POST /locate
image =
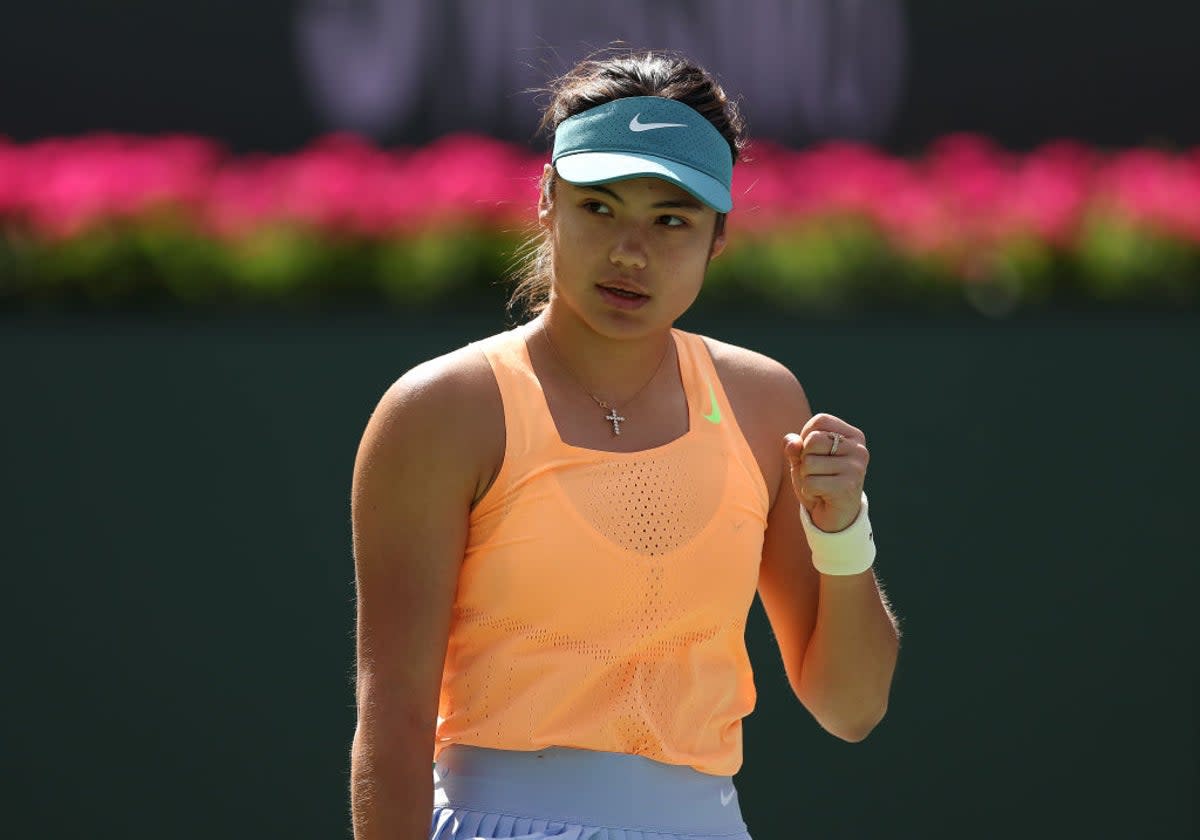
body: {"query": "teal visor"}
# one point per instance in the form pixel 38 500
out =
pixel 646 136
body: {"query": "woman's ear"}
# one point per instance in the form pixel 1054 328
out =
pixel 545 198
pixel 718 246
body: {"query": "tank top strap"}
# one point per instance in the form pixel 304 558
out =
pixel 529 428
pixel 710 406
pixel 712 414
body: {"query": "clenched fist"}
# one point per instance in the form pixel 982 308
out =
pixel 828 460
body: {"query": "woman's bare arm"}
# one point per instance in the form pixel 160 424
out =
pixel 420 465
pixel 837 635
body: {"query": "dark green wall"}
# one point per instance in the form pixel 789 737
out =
pixel 179 580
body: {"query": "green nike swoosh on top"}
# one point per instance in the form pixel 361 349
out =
pixel 713 416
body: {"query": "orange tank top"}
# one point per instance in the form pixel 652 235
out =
pixel 603 596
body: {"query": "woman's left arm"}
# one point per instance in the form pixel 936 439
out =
pixel 835 630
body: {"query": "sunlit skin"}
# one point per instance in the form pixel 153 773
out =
pixel 645 233
pixel 628 258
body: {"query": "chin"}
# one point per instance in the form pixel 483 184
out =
pixel 617 323
pixel 584 304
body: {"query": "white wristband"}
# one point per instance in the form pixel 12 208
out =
pixel 846 552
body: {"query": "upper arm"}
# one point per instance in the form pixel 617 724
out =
pixel 788 584
pixel 769 403
pixel 425 452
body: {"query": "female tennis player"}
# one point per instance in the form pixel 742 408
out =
pixel 559 530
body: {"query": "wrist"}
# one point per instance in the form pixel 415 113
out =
pixel 850 551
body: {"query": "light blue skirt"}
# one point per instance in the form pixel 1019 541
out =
pixel 570 794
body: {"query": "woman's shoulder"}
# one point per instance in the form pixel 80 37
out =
pixel 761 387
pixel 448 407
pixel 766 399
pixel 751 371
pixel 460 377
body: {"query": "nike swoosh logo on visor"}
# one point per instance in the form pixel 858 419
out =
pixel 634 125
pixel 714 415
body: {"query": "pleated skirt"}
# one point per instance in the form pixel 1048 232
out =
pixel 571 794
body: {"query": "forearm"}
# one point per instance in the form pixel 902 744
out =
pixel 391 787
pixel 850 657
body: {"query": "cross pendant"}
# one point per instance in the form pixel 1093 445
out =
pixel 615 419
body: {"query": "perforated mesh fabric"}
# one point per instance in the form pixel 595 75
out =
pixel 650 505
pixel 603 596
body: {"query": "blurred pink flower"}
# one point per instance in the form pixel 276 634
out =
pixel 1050 191
pixel 64 185
pixel 1148 186
pixel 962 200
pixel 242 197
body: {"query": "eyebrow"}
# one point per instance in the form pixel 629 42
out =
pixel 675 203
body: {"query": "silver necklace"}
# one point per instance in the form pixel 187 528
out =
pixel 612 417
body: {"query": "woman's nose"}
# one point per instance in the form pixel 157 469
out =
pixel 629 251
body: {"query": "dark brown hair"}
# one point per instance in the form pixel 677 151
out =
pixel 602 78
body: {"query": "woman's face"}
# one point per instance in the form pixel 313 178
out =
pixel 629 256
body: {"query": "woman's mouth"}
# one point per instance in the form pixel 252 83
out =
pixel 622 298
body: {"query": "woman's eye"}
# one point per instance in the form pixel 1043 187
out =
pixel 673 221
pixel 596 207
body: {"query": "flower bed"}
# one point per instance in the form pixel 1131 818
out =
pixel 118 221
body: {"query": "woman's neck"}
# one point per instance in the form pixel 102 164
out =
pixel 610 368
